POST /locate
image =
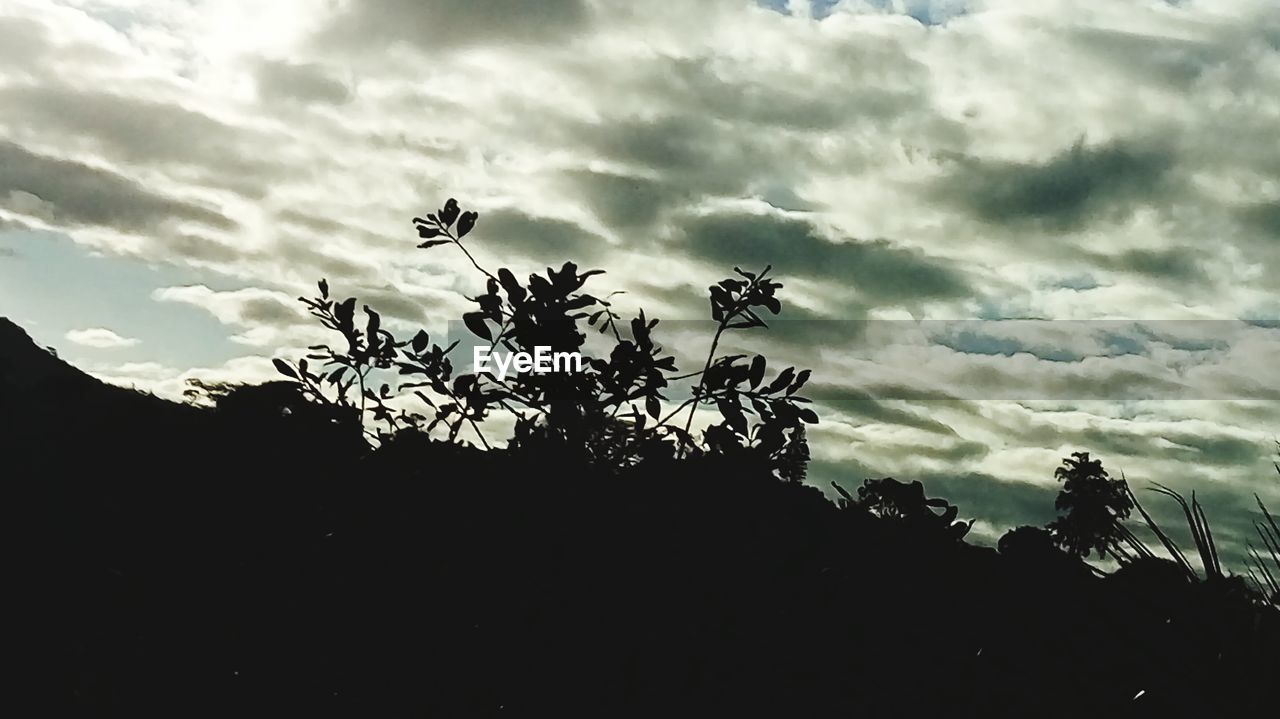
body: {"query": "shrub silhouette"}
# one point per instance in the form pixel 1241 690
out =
pixel 905 505
pixel 1027 543
pixel 612 413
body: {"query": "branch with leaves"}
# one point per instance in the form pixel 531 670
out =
pixel 613 410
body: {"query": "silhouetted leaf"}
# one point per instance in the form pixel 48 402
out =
pixel 756 373
pixel 782 380
pixel 652 406
pixel 283 368
pixel 420 341
pixel 449 213
pixel 801 378
pixel 515 292
pixel 345 311
pixel 432 243
pixel 475 322
pixel 732 413
pixel 466 223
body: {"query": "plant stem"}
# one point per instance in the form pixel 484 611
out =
pixel 475 264
pixel 697 392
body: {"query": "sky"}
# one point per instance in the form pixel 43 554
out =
pixel 175 173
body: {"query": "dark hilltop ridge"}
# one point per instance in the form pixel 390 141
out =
pixel 257 553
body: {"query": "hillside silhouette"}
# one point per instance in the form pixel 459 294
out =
pixel 261 553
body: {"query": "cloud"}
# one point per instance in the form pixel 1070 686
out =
pixel 305 82
pixel 1079 185
pixel 448 24
pixel 510 232
pixel 100 338
pixel 23 41
pixel 1263 216
pixel 136 130
pixel 623 201
pixel 885 273
pixel 65 191
pixel 264 317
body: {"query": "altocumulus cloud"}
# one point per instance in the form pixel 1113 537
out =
pixel 1053 159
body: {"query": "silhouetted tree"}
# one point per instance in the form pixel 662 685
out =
pixel 1091 505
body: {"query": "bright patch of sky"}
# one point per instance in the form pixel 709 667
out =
pixel 51 286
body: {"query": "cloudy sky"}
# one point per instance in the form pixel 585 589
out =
pixel 173 173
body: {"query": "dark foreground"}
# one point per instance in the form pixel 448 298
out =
pixel 243 563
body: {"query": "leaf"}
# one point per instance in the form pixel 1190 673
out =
pixel 807 415
pixel 466 223
pixel 345 311
pixel 652 407
pixel 420 341
pixel 756 373
pixel 450 212
pixel 515 292
pixel 732 413
pixel 427 233
pixel 432 243
pixel 772 303
pixel 283 368
pixel 800 380
pixel 475 322
pixel 782 380
pixel 324 288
